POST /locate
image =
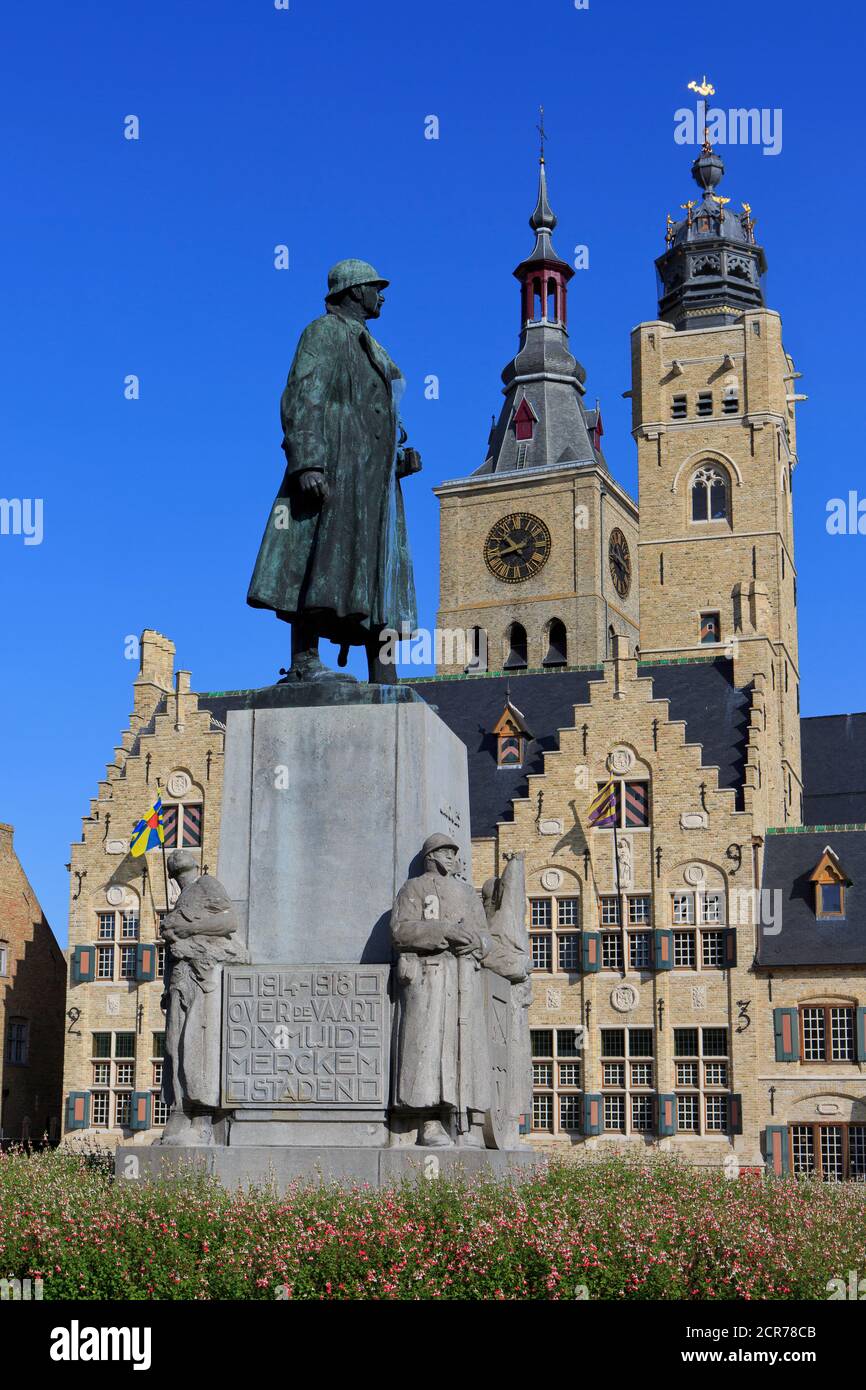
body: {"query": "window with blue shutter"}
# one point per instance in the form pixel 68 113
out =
pixel 590 952
pixel 146 961
pixel 861 1035
pixel 786 1031
pixel 666 1116
pixel 78 1110
pixel 83 964
pixel 663 949
pixel 777 1150
pixel 139 1110
pixel 593 1114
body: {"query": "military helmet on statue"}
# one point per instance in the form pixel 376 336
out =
pixel 345 275
pixel 438 841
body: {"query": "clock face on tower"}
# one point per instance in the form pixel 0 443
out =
pixel 516 547
pixel 620 562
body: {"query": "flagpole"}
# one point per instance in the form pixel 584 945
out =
pixel 164 863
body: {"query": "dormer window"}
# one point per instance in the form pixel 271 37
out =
pixel 524 421
pixel 830 884
pixel 511 736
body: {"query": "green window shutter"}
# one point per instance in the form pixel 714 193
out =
pixel 139 1110
pixel 666 1116
pixel 730 947
pixel 83 965
pixel 145 961
pixel 593 1114
pixel 590 952
pixel 787 1034
pixel 78 1110
pixel 735 1114
pixel 777 1150
pixel 861 1035
pixel 663 949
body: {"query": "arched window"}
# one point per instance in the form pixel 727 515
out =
pixel 557 644
pixel 710 494
pixel 517 648
pixel 477 650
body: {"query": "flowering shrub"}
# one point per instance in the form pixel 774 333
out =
pixel 616 1228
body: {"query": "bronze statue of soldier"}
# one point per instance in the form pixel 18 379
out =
pixel 334 559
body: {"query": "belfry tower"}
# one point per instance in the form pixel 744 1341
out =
pixel 538 544
pixel 713 406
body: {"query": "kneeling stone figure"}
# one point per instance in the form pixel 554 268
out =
pixel 200 935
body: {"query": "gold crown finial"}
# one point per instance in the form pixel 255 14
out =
pixel 703 88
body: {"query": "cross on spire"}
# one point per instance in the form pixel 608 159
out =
pixel 542 133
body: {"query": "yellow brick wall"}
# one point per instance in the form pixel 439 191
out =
pixel 183 741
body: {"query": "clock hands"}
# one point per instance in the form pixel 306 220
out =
pixel 515 545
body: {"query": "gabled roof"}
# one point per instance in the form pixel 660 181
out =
pixel 834 769
pixel 805 939
pixel 700 693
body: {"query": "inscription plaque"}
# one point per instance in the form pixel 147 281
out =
pixel 296 1037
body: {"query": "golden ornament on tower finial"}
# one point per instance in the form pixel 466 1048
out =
pixel 703 88
pixel 669 230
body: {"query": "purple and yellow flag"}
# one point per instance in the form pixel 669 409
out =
pixel 602 811
pixel 149 833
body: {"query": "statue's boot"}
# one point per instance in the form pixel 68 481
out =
pixel 433 1135
pixel 473 1137
pixel 309 668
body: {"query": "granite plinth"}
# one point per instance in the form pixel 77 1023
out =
pixel 237 1167
pixel 325 809
pixel 313 695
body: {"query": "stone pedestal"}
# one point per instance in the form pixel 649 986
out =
pixel 325 807
pixel 281 1166
pixel 328 794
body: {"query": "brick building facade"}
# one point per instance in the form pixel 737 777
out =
pixel 32 1000
pixel 700 968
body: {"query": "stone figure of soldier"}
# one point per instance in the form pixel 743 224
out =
pixel 334 560
pixel 504 900
pixel 200 936
pixel 442 1061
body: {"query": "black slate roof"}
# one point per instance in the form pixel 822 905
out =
pixel 789 859
pixel 701 693
pixel 834 769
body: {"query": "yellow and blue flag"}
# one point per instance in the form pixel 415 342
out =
pixel 148 833
pixel 602 811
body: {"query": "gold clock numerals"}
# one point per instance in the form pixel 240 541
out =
pixel 516 547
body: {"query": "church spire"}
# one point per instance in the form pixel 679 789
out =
pixel 712 268
pixel 543 421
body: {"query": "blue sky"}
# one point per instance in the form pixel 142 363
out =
pixel 305 127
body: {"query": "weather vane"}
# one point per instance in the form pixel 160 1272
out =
pixel 542 132
pixel 703 88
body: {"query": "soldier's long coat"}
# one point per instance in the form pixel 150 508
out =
pixel 348 558
pixel 442 1055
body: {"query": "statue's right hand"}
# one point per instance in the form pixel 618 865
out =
pixel 312 485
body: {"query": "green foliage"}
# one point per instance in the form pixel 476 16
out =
pixel 612 1229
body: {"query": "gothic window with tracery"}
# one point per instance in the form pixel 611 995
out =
pixel 710 495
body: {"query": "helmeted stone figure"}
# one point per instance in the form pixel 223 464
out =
pixel 334 559
pixel 200 935
pixel 442 1061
